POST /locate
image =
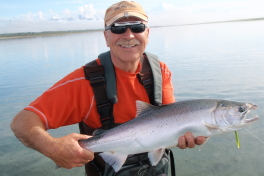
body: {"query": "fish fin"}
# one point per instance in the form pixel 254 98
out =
pixel 142 106
pixel 209 126
pixel 116 160
pixel 200 148
pixel 98 132
pixel 155 156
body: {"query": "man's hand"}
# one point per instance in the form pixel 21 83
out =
pixel 66 151
pixel 188 141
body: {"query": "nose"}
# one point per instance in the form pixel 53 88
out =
pixel 128 34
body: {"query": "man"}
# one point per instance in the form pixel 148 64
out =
pixel 71 100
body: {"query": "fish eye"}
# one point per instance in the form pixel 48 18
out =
pixel 242 109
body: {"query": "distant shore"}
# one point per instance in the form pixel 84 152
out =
pixel 51 33
pixel 230 21
pixel 42 34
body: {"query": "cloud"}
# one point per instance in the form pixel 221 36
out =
pixel 85 12
pixel 88 12
pixel 73 2
pixel 85 17
pixel 47 25
pixel 165 14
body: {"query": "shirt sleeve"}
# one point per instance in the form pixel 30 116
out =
pixel 167 87
pixel 65 103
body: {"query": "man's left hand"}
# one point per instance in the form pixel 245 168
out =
pixel 188 141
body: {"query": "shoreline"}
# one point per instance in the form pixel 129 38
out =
pixel 230 21
pixel 53 33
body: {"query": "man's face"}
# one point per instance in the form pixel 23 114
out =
pixel 129 46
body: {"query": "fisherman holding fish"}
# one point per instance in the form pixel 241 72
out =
pixel 80 96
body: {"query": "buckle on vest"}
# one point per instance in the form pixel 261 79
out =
pixel 103 104
pixel 147 83
pixel 98 81
pixel 104 109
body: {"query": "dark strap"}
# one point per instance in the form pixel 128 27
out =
pixel 151 78
pixel 106 61
pixel 157 78
pixel 172 163
pixel 146 79
pixel 95 73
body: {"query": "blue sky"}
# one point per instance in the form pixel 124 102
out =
pixel 50 15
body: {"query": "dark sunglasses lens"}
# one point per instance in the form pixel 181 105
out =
pixel 137 28
pixel 118 29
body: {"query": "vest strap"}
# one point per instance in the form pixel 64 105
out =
pixel 146 79
pixel 95 73
pixel 157 78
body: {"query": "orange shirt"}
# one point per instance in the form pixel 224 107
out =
pixel 71 100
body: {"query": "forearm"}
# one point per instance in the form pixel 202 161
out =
pixel 29 129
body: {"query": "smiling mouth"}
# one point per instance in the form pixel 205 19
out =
pixel 128 46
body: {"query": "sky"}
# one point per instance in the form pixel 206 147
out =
pixel 63 15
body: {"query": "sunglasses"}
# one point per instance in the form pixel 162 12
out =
pixel 121 27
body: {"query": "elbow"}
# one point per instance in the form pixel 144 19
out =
pixel 16 123
pixel 12 125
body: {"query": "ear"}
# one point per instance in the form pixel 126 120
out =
pixel 147 34
pixel 106 37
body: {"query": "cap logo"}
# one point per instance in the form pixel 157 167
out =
pixel 126 14
pixel 124 5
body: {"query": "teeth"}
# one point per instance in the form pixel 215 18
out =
pixel 127 46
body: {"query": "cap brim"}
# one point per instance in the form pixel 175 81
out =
pixel 121 15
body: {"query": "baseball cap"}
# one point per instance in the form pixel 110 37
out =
pixel 124 9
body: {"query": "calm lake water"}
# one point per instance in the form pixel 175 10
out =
pixel 224 60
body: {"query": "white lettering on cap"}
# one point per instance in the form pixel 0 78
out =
pixel 126 14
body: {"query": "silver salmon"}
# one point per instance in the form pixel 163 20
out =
pixel 156 128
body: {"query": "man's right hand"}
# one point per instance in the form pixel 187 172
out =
pixel 66 151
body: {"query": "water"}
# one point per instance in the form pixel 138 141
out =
pixel 222 60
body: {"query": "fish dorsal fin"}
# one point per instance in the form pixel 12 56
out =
pixel 98 132
pixel 155 156
pixel 116 160
pixel 209 126
pixel 142 106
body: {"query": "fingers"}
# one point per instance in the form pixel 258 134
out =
pixel 88 155
pixel 188 141
pixel 200 140
pixel 182 142
pixel 77 136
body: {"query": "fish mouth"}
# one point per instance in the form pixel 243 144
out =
pixel 248 121
pixel 255 118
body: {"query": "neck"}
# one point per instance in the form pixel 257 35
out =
pixel 127 66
